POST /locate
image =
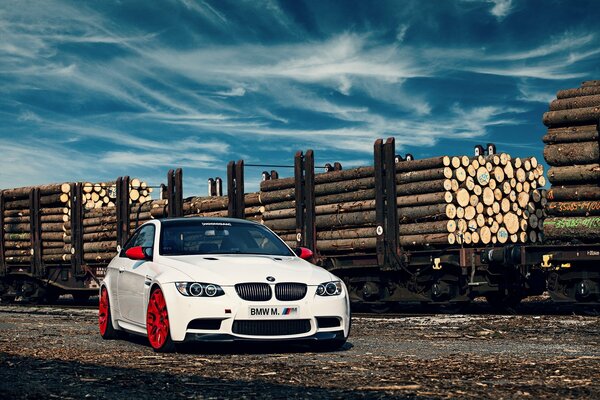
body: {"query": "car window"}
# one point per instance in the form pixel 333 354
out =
pixel 186 238
pixel 143 237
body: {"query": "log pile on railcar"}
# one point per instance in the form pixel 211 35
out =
pixel 572 151
pixel 441 201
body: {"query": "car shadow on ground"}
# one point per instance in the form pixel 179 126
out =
pixel 34 378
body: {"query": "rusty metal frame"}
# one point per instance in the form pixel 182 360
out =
pixel 37 267
pixel 299 196
pixel 77 261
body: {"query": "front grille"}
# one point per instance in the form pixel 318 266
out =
pixel 290 291
pixel 254 291
pixel 271 327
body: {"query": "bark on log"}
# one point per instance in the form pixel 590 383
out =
pixel 440 185
pixel 24 228
pixel 574 193
pixel 589 173
pixel 333 176
pixel 572 153
pixel 202 204
pixel 565 117
pixel 584 133
pixel 408 214
pixel 575 102
pixel 426 163
pixel 100 247
pixel 44 200
pixel 446 226
pixel 578 92
pixel 346 245
pixel 581 228
pixel 573 208
pixel 429 239
pixel 23 192
pixel 367 194
pixel 280 206
pixel 326 221
pixel 424 175
pixel 346 233
pixel 424 199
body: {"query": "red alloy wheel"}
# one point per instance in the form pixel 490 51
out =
pixel 103 312
pixel 157 320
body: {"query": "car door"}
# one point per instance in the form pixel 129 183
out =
pixel 132 277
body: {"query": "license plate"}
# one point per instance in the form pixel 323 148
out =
pixel 272 312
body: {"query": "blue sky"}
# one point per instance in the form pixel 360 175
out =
pixel 90 90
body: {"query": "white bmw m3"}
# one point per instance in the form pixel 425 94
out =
pixel 219 279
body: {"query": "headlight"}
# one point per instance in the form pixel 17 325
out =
pixel 199 289
pixel 329 289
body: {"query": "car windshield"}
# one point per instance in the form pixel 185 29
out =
pixel 212 237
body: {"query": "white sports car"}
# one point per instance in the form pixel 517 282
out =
pixel 219 279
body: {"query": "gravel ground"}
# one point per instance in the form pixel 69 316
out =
pixel 48 352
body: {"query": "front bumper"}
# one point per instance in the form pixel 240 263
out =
pixel 230 308
pixel 227 338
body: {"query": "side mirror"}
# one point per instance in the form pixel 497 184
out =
pixel 139 253
pixel 303 253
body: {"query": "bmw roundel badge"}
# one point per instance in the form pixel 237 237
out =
pixel 270 279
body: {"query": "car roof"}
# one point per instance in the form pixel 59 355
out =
pixel 192 220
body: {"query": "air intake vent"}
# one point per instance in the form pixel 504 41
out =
pixel 254 291
pixel 290 291
pixel 271 328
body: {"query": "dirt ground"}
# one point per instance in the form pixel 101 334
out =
pixel 56 352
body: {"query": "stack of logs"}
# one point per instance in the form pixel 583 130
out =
pixel 104 194
pixel 216 206
pixel 54 203
pixel 573 154
pixel 99 220
pixel 441 201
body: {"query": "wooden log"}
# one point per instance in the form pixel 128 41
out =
pixel 45 190
pixel 427 239
pixel 426 163
pixel 99 221
pixel 434 186
pixel 447 226
pixel 291 204
pixel 463 197
pixel 326 221
pixel 333 176
pixel 24 228
pixel 573 208
pixel 101 247
pixel 578 116
pixel 575 102
pixel 424 175
pixel 589 173
pixel 201 204
pixel 511 222
pixel 581 228
pixel 425 199
pixel 346 245
pixel 572 134
pixel 574 193
pixel 582 91
pixel 351 233
pixel 408 214
pixel 572 153
pixel 44 200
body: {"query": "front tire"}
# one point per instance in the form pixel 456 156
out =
pixel 157 323
pixel 107 330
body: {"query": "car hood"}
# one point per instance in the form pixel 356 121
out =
pixel 228 270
